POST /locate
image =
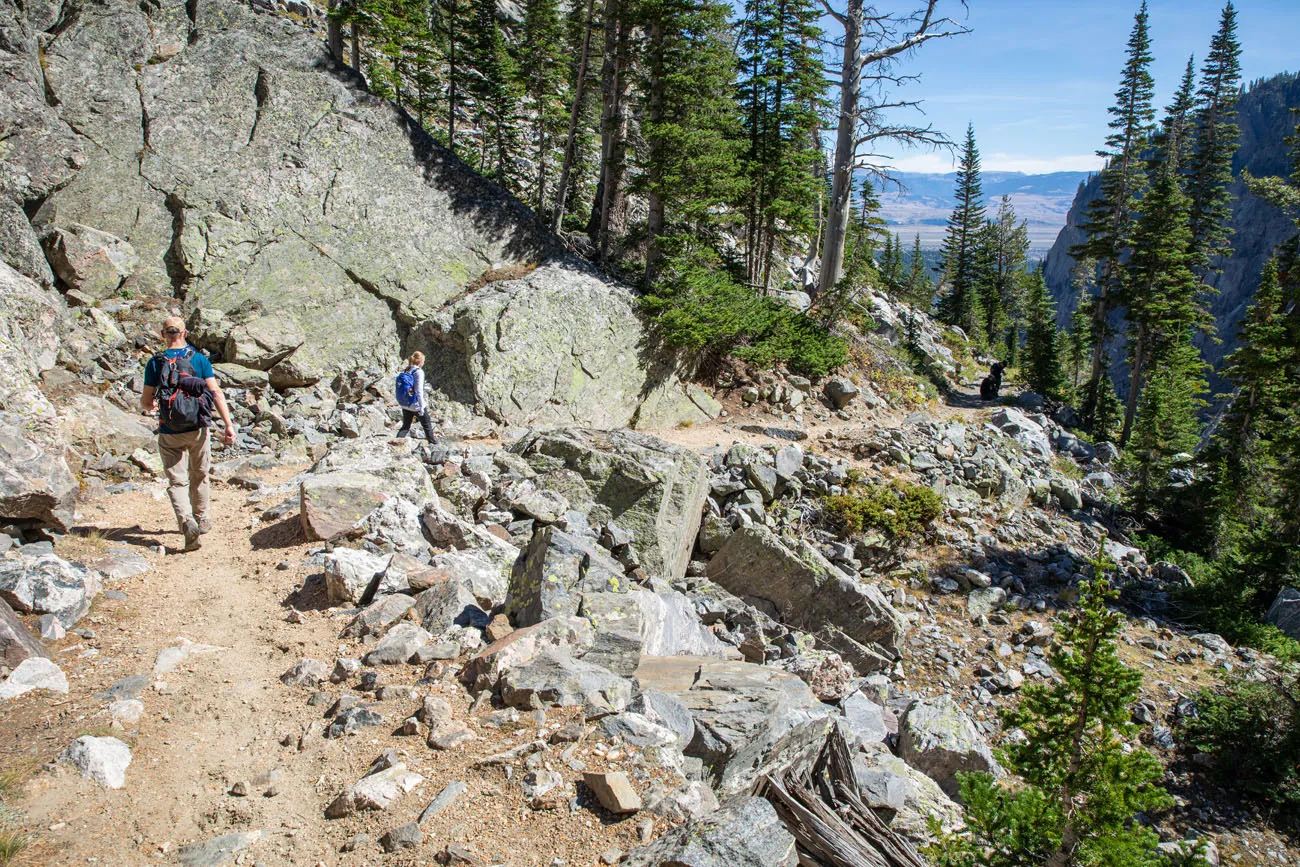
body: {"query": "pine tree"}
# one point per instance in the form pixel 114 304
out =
pixel 542 68
pixel 865 234
pixel 1084 783
pixel 1160 288
pixel 1167 426
pixel 1003 246
pixel 496 93
pixel 1042 340
pixel 960 305
pixel 1260 369
pixel 1109 411
pixel 691 161
pixel 920 288
pixel 1173 143
pixel 1078 343
pixel 780 92
pixel 1109 217
pixel 1216 142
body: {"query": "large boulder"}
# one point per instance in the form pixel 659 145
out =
pixel 571 635
pixel 555 677
pixel 89 261
pixel 94 426
pixel 335 505
pixel 887 783
pixel 49 585
pixel 556 569
pixel 1023 430
pixel 797 585
pixel 671 627
pixel 652 489
pixel 558 346
pixel 36 485
pixel 936 737
pixel 744 832
pixel 749 719
pixel 1284 613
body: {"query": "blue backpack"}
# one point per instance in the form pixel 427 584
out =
pixel 406 393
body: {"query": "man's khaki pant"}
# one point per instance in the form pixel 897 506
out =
pixel 187 485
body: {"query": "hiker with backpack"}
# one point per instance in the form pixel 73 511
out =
pixel 179 384
pixel 410 397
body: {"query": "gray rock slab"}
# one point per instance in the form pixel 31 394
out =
pixel 16 642
pixel 744 832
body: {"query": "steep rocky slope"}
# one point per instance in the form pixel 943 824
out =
pixel 1265 120
pixel 211 156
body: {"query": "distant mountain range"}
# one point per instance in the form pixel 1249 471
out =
pixel 923 205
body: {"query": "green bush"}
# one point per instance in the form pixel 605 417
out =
pixel 899 509
pixel 696 305
pixel 1251 732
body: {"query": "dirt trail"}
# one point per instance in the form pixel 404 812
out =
pixel 222 715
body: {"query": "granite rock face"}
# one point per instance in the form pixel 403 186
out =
pixel 745 832
pixel 210 153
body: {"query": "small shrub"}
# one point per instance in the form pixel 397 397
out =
pixel 698 306
pixel 898 509
pixel 1251 732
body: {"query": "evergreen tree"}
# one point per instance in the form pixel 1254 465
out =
pixel 1042 340
pixel 1084 783
pixel 1003 246
pixel 865 234
pixel 690 165
pixel 1172 145
pixel 1108 218
pixel 1216 142
pixel 1078 344
pixel 960 304
pixel 1262 369
pixel 542 67
pixel 496 93
pixel 781 89
pixel 1161 290
pixel 920 288
pixel 1109 411
pixel 1167 426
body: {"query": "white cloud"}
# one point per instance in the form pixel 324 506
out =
pixel 1040 165
pixel 940 163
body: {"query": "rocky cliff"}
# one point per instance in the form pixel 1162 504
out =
pixel 211 157
pixel 1265 120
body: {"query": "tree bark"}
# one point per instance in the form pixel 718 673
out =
pixel 571 140
pixel 334 34
pixel 837 222
pixel 614 129
pixel 1136 368
pixel 656 156
pixel 356 48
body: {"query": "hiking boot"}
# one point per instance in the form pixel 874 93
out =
pixel 192 532
pixel 205 525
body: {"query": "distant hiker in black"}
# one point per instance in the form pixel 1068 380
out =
pixel 992 383
pixel 180 385
pixel 410 396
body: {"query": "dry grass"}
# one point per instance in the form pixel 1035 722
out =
pixel 13 842
pixel 88 545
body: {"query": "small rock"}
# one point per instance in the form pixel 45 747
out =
pixel 613 791
pixel 103 760
pixel 406 836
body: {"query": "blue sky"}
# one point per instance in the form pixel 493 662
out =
pixel 1036 76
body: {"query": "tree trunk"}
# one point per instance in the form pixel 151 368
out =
pixel 837 223
pixel 334 34
pixel 452 76
pixel 1136 368
pixel 656 156
pixel 571 140
pixel 356 48
pixel 614 129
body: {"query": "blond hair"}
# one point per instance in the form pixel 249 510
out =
pixel 416 359
pixel 173 322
